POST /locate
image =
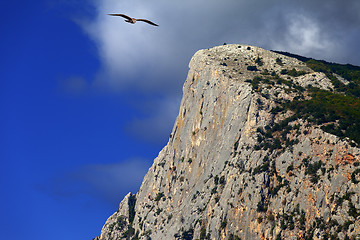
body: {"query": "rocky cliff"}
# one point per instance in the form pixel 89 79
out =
pixel 243 161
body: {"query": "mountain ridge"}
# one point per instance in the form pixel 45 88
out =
pixel 249 157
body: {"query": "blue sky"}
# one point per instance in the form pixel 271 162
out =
pixel 88 101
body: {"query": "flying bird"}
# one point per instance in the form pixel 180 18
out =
pixel 132 20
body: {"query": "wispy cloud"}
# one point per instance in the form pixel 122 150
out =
pixel 304 35
pixel 156 122
pixel 106 182
pixel 73 85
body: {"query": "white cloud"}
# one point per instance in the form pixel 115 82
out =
pixel 134 55
pixel 152 60
pixel 303 35
pixel 131 55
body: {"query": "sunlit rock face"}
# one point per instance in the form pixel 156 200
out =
pixel 239 165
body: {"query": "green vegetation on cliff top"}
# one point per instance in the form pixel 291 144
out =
pixel 336 111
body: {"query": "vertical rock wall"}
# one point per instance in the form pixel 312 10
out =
pixel 217 179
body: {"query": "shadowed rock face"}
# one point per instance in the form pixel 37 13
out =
pixel 228 173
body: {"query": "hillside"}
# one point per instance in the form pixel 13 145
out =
pixel 265 146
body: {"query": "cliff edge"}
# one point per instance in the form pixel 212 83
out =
pixel 248 158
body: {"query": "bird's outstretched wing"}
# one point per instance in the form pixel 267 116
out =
pixel 120 15
pixel 147 21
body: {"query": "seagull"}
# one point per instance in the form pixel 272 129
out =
pixel 132 20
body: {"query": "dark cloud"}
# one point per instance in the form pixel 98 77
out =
pixel 106 182
pixel 153 60
pixel 145 53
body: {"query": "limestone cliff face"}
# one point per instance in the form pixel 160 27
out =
pixel 226 173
